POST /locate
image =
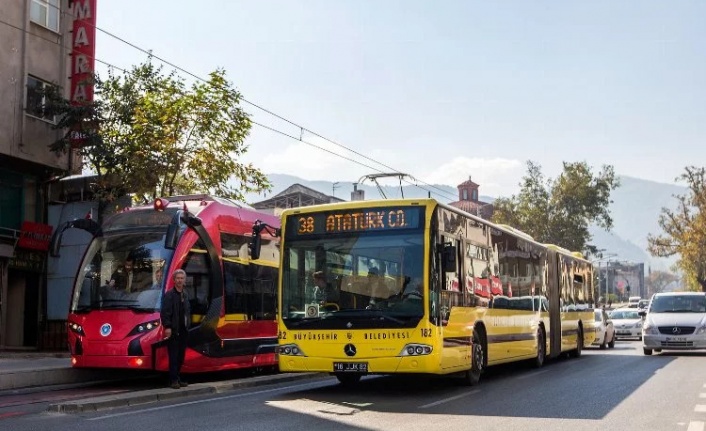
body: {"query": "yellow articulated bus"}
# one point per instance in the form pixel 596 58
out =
pixel 417 286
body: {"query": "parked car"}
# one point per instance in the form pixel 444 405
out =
pixel 605 333
pixel 643 304
pixel 627 323
pixel 675 321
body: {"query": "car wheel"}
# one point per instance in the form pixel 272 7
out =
pixel 612 342
pixel 647 352
pixel 604 341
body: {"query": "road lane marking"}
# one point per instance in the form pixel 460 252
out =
pixel 526 376
pixel 701 408
pixel 227 397
pixel 695 426
pixel 446 400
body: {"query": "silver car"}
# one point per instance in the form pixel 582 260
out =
pixel 675 321
pixel 627 323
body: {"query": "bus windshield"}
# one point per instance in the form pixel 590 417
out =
pixel 122 270
pixel 373 279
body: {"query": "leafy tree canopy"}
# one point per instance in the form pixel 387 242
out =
pixel 559 211
pixel 684 230
pixel 151 134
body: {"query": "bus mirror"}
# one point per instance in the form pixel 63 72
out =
pixel 56 243
pixel 255 245
pixel 170 240
pixel 449 258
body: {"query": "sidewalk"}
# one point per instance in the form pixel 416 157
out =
pixel 20 370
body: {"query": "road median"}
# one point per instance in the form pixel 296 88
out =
pixel 129 399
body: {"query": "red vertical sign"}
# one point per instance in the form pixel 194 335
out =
pixel 83 52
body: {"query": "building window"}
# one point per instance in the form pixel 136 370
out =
pixel 37 99
pixel 46 13
pixel 475 195
pixel 465 194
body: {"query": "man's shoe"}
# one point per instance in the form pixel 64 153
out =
pixel 183 384
pixel 175 385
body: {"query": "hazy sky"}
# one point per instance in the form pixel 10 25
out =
pixel 444 89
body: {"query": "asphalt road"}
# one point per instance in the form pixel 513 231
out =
pixel 614 389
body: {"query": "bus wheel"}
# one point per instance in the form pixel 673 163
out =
pixel 348 379
pixel 472 376
pixel 576 353
pixel 541 349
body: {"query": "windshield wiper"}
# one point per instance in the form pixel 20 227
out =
pixel 365 313
pixel 305 322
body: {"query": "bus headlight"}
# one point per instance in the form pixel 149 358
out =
pixel 415 350
pixel 144 327
pixel 290 350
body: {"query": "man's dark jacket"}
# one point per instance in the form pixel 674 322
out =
pixel 170 310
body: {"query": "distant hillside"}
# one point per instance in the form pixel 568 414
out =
pixel 636 207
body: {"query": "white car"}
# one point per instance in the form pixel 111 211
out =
pixel 675 321
pixel 605 334
pixel 627 323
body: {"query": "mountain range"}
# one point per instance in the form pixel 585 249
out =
pixel 636 206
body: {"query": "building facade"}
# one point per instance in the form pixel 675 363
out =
pixel 468 200
pixel 34 55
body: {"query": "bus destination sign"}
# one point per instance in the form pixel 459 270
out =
pixel 355 220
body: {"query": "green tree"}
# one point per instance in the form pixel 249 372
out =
pixel 684 230
pixel 149 134
pixel 559 211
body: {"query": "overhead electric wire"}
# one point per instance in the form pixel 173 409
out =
pixel 302 129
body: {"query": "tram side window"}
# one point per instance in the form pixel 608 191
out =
pixel 197 281
pixel 263 300
pixel 234 245
pixel 237 282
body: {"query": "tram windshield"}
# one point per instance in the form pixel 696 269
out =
pixel 122 270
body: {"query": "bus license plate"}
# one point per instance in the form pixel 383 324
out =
pixel 676 338
pixel 350 367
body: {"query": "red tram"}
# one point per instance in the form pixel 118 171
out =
pixel 114 319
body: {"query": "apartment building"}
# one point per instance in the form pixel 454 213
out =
pixel 44 44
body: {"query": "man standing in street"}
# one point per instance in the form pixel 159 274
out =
pixel 176 318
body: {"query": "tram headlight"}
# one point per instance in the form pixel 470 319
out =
pixel 144 327
pixel 76 328
pixel 416 350
pixel 290 350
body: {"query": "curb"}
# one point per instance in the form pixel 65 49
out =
pixel 163 394
pixel 23 379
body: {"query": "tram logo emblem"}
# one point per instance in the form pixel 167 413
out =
pixel 349 335
pixel 349 350
pixel 106 329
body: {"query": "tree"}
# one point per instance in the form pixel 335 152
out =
pixel 149 134
pixel 685 230
pixel 657 280
pixel 559 211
